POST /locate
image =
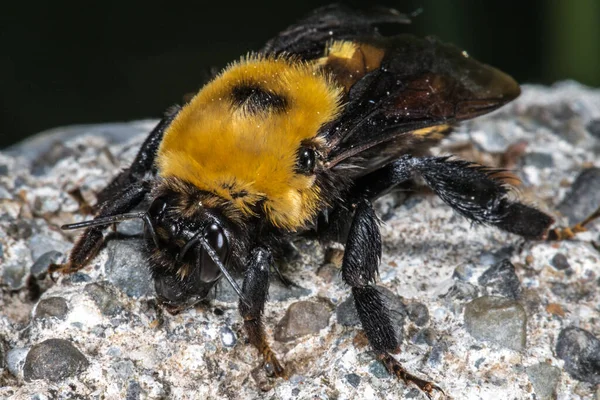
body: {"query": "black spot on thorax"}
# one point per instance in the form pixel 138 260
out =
pixel 255 99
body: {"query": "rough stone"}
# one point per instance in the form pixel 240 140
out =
pixel 40 266
pixel 104 297
pixel 583 197
pixel 544 378
pixel 53 360
pixel 15 360
pixel 580 351
pixel 501 279
pixel 424 242
pixel 41 244
pixel 127 268
pixel 52 307
pixel 497 320
pixel 228 337
pixel 302 318
pixel 418 313
pixel 353 380
pixel 560 262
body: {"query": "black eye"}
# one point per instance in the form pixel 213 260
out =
pixel 306 161
pixel 217 240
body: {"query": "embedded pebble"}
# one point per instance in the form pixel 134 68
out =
pixel 425 336
pixel 127 267
pixel 501 279
pixel 545 379
pixel 40 266
pixel 377 369
pixel 584 196
pixel 53 360
pixel 353 379
pixel 593 128
pixel 134 391
pixel 302 318
pixel 41 244
pixel 418 313
pixel 227 337
pixel 497 320
pixel 580 351
pixel 540 160
pixel 560 262
pixel 104 296
pixel 52 307
pixel 15 360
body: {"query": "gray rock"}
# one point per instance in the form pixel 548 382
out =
pixel 583 197
pixel 53 360
pixel 15 360
pixel 593 128
pixel 52 307
pixel 502 279
pixel 377 369
pixel 3 351
pixel 560 262
pixel 497 320
pixel 127 267
pixel 302 318
pixel 40 266
pixel 353 380
pixel 540 160
pixel 544 378
pixel 104 296
pixel 134 390
pixel 40 244
pixel 227 337
pixel 425 336
pixel 580 351
pixel 418 313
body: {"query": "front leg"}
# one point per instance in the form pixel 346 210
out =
pixel 359 270
pixel 89 243
pixel 255 290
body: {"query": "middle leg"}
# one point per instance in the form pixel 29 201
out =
pixel 359 270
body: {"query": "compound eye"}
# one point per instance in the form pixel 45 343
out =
pixel 218 241
pixel 306 161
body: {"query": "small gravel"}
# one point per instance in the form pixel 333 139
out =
pixel 501 279
pixel 545 379
pixel 52 307
pixel 580 351
pixel 53 360
pixel 497 320
pixel 583 197
pixel 302 318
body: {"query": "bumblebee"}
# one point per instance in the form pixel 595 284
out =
pixel 300 138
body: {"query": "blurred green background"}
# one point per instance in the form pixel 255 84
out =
pixel 68 62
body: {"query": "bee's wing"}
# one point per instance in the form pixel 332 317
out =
pixel 420 86
pixel 308 38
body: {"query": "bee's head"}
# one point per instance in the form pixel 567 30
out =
pixel 191 249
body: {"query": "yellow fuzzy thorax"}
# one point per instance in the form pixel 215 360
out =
pixel 248 157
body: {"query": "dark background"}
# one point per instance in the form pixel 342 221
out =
pixel 67 62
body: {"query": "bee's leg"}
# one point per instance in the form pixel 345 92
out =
pixel 255 290
pixel 89 243
pixel 359 270
pixel 570 231
pixel 143 164
pixel 475 192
